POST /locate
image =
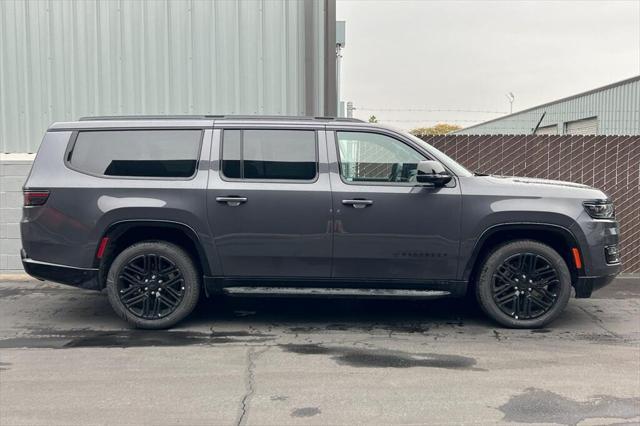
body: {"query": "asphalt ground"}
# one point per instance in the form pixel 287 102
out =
pixel 65 359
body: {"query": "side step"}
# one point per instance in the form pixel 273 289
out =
pixel 334 292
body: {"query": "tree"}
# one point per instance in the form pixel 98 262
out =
pixel 373 119
pixel 438 129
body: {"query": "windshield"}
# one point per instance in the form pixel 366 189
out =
pixel 448 162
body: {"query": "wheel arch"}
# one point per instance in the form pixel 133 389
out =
pixel 558 237
pixel 124 233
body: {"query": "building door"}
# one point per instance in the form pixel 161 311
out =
pixel 588 126
pixel 547 130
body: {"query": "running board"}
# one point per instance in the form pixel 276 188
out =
pixel 334 292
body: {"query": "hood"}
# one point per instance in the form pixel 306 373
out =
pixel 536 181
pixel 543 187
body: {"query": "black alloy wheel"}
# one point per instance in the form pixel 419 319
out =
pixel 153 284
pixel 150 286
pixel 525 286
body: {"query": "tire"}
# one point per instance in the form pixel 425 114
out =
pixel 523 274
pixel 164 266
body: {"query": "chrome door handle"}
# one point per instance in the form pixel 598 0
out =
pixel 232 201
pixel 357 204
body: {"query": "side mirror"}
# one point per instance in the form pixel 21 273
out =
pixel 432 172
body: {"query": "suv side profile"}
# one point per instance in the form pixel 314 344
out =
pixel 162 210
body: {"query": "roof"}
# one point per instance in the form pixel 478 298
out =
pixel 568 98
pixel 190 121
pixel 215 117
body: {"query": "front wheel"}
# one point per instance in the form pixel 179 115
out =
pixel 524 284
pixel 153 284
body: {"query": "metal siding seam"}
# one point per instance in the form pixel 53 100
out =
pixel 238 64
pixel 161 50
pixel 4 140
pixel 285 108
pixel 210 50
pixel 7 86
pixel 12 87
pixel 190 81
pixel 24 78
pixel 309 71
pixel 119 62
pixel 260 78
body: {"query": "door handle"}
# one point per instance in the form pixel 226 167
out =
pixel 232 201
pixel 357 204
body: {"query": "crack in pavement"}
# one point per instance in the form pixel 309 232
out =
pixel 252 355
pixel 600 324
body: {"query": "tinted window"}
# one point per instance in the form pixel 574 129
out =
pixel 231 154
pixel 269 154
pixel 144 153
pixel 370 157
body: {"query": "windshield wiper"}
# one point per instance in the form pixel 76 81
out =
pixel 480 174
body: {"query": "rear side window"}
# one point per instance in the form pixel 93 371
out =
pixel 269 154
pixel 137 153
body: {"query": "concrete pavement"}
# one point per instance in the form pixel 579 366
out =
pixel 66 359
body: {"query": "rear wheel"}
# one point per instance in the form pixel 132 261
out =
pixel 153 284
pixel 524 284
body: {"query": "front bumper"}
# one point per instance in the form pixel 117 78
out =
pixel 586 285
pixel 86 278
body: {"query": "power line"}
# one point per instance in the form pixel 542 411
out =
pixel 422 120
pixel 429 110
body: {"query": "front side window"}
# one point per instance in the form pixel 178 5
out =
pixel 269 154
pixel 371 157
pixel 137 153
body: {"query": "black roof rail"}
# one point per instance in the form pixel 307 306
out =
pixel 213 117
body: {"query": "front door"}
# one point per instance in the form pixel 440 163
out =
pixel 269 203
pixel 386 226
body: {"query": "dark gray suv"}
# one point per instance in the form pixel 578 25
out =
pixel 159 210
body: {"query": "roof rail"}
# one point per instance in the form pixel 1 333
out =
pixel 214 117
pixel 144 117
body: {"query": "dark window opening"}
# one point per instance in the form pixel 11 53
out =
pixel 137 153
pixel 269 154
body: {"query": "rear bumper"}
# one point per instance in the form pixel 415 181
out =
pixel 69 275
pixel 586 285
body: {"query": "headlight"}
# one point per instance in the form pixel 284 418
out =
pixel 599 209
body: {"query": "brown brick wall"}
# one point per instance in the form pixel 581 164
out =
pixel 610 163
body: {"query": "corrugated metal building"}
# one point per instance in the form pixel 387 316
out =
pixel 608 110
pixel 61 60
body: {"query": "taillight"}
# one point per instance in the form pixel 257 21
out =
pixel 35 197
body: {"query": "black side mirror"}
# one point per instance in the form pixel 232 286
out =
pixel 432 172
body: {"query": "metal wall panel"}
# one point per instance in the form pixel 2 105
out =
pixel 617 108
pixel 61 60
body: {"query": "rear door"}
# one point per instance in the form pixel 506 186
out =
pixel 386 226
pixel 269 201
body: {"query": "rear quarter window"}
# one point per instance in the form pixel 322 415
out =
pixel 136 153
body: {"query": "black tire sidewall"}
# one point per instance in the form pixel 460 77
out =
pixel 184 263
pixel 484 292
